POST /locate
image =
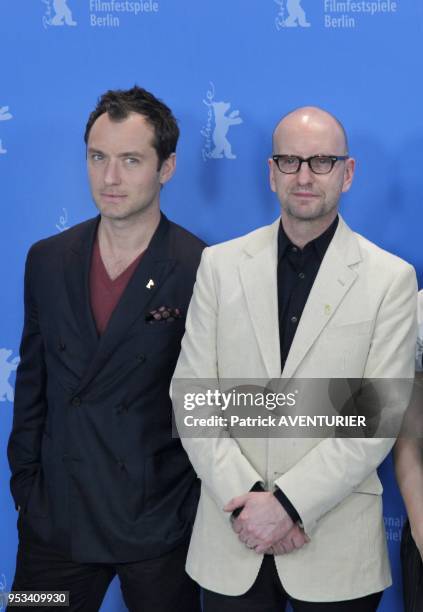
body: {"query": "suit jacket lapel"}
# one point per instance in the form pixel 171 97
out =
pixel 259 280
pixel 333 281
pixel 155 265
pixel 77 261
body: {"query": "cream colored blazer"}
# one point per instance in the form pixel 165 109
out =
pixel 359 321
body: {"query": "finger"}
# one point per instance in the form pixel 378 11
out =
pixel 237 526
pixel 249 543
pixel 288 545
pixel 261 548
pixel 236 502
pixel 298 540
pixel 244 537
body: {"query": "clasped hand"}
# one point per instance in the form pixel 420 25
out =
pixel 264 525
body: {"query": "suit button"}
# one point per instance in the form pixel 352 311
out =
pixel 61 346
pixel 76 401
pixel 140 358
pixel 121 465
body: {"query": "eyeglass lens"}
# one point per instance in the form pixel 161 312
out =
pixel 319 164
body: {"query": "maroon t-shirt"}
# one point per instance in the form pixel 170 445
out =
pixel 105 293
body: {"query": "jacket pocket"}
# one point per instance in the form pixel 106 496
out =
pixel 350 330
pixel 167 474
pixel 37 501
pixel 371 485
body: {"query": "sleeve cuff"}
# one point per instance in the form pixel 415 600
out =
pixel 288 507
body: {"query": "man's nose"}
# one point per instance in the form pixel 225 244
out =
pixel 304 174
pixel 112 173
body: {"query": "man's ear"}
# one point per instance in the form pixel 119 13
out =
pixel 348 173
pixel 168 168
pixel 271 164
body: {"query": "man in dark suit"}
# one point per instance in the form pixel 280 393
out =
pixel 100 485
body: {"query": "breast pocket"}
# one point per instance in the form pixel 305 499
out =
pixel 349 330
pixel 161 328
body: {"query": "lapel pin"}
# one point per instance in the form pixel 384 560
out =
pixel 327 309
pixel 150 284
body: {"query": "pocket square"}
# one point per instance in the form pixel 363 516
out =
pixel 164 314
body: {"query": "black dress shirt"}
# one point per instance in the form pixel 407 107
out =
pixel 297 271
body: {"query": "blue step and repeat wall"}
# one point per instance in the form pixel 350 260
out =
pixel 229 69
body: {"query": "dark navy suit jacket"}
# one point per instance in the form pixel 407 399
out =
pixel 95 470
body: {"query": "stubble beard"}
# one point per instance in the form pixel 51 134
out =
pixel 135 211
pixel 299 213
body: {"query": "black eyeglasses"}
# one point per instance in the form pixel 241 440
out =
pixel 319 164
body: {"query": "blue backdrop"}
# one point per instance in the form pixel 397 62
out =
pixel 229 70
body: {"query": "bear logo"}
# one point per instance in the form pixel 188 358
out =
pixel 296 15
pixel 62 14
pixel 7 366
pixel 222 146
pixel 4 116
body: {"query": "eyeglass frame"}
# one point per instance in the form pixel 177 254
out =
pixel 333 158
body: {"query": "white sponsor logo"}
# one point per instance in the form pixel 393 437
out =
pixel 108 13
pixel 291 15
pixel 57 13
pixel 4 116
pixel 7 366
pixel 217 145
pixel 62 225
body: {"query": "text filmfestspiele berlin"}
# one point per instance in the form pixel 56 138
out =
pixel 344 13
pixel 106 14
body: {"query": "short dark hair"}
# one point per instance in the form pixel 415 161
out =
pixel 119 103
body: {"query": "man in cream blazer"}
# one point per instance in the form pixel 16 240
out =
pixel 313 505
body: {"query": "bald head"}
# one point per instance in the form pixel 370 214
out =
pixel 310 198
pixel 311 122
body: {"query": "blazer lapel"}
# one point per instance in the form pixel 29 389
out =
pixel 333 281
pixel 259 281
pixel 77 262
pixel 147 280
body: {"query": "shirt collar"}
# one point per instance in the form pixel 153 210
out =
pixel 319 245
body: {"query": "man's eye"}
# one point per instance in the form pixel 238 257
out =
pixel 96 157
pixel 290 160
pixel 131 161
